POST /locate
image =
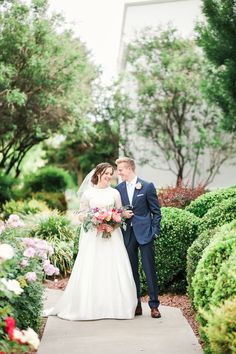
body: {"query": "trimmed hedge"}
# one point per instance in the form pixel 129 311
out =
pixel 179 229
pixel 195 251
pixel 205 278
pixel 194 255
pixel 225 286
pixel 205 202
pixel 221 214
pixel 221 329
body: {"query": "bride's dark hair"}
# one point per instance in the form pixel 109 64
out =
pixel 100 169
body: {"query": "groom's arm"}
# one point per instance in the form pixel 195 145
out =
pixel 154 208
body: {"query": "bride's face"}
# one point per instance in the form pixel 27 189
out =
pixel 106 177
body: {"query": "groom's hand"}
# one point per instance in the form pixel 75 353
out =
pixel 128 214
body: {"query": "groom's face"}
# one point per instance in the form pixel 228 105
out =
pixel 124 171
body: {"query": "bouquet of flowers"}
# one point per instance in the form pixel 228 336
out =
pixel 101 218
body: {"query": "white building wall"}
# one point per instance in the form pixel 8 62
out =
pixel 182 14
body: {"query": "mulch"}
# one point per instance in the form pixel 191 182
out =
pixel 180 301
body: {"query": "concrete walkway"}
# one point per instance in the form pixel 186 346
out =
pixel 169 335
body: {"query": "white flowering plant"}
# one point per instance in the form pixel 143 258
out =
pixel 12 340
pixel 27 270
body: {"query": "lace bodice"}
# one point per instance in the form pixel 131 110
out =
pixel 101 198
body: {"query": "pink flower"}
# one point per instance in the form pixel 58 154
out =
pixel 42 244
pixel 138 185
pixel 49 269
pixel 116 217
pixel 14 221
pixel 29 252
pixel 29 242
pixel 24 262
pixel 31 277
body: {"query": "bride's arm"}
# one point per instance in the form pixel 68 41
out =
pixel 118 203
pixel 83 208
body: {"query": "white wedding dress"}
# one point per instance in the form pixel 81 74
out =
pixel 101 284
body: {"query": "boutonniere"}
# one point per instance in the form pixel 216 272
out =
pixel 138 185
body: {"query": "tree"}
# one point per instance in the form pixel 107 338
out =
pixel 45 79
pixel 167 72
pixel 217 38
pixel 97 137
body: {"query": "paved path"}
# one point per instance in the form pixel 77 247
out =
pixel 169 335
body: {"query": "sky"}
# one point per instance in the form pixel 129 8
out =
pixel 98 24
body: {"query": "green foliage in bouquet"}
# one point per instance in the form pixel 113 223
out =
pixel 179 229
pixel 205 202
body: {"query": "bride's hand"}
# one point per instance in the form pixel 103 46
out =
pixel 109 228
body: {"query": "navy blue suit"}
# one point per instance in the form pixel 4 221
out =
pixel 145 228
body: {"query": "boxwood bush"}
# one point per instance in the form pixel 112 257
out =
pixel 221 214
pixel 205 202
pixel 225 286
pixel 208 269
pixel 179 229
pixel 221 329
pixel 195 251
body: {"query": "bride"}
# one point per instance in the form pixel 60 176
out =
pixel 101 284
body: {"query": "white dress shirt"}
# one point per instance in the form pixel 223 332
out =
pixel 130 188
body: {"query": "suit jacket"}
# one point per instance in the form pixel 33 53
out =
pixel 146 209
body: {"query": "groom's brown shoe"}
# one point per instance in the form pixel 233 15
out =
pixel 155 313
pixel 138 311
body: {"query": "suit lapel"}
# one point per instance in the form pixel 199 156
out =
pixel 136 191
pixel 125 194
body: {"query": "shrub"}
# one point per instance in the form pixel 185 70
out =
pixel 179 196
pixel 48 179
pixel 6 184
pixel 195 251
pixel 32 206
pixel 221 329
pixel 205 278
pixel 201 205
pixel 178 230
pixel 225 286
pixel 53 200
pixel 29 306
pixel 56 229
pixel 221 214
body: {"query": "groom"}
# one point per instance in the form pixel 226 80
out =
pixel 143 226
